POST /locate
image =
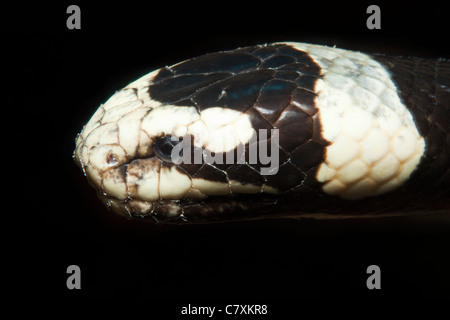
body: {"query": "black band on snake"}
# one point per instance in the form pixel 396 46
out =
pixel 275 130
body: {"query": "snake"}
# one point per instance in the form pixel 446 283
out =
pixel 277 130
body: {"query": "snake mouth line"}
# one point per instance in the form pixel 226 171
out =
pixel 253 207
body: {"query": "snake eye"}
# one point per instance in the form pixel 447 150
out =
pixel 164 147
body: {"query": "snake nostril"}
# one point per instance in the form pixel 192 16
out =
pixel 164 146
pixel 111 159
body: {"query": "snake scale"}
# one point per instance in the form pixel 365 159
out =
pixel 274 130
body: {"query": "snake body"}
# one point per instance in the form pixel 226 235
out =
pixel 348 133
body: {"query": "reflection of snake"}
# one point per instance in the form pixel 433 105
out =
pixel 358 135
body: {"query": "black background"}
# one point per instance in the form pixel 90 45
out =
pixel 55 80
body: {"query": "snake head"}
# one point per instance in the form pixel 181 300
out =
pixel 332 119
pixel 149 158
